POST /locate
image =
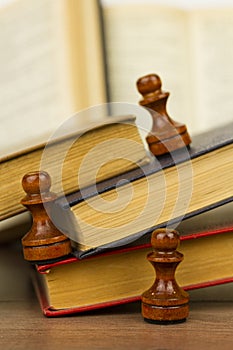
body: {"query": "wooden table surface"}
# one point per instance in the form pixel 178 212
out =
pixel 22 326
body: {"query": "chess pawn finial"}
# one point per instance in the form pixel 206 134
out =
pixel 44 241
pixel 166 134
pixel 165 302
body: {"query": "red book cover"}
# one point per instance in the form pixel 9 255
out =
pixel 208 244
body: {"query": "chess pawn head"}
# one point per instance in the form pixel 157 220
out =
pixel 44 242
pixel 166 134
pixel 165 302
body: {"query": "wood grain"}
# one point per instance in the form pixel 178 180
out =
pixel 22 326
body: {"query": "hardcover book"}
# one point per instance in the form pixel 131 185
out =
pixel 163 193
pixel 65 157
pixel 120 276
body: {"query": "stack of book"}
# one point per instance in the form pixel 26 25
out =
pixel 112 238
pixel 110 221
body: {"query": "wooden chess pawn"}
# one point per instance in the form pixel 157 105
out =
pixel 165 302
pixel 44 241
pixel 166 134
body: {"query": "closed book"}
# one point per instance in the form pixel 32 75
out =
pixel 63 157
pixel 163 193
pixel 120 276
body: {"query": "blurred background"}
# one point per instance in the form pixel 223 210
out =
pixel 60 57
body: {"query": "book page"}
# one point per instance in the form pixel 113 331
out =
pixel 86 54
pixel 146 38
pixel 212 57
pixel 31 94
pixel 50 60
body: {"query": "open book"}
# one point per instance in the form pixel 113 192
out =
pixel 191 50
pixel 51 66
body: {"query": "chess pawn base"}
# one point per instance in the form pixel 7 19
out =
pixel 169 314
pixel 40 251
pixel 167 145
